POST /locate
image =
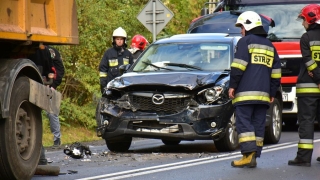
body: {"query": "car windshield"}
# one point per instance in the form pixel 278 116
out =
pixel 185 57
pixel 284 16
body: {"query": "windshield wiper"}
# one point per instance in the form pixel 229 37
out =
pixel 156 66
pixel 184 65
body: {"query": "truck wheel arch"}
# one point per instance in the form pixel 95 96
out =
pixel 10 70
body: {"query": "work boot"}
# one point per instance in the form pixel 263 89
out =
pixel 247 160
pixel 56 144
pixel 299 162
pixel 318 159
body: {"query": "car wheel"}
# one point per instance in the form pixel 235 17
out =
pixel 119 144
pixel 273 131
pixel 20 135
pixel 230 141
pixel 171 142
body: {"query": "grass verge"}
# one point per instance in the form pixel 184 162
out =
pixel 68 134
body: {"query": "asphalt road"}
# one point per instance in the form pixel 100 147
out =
pixel 150 159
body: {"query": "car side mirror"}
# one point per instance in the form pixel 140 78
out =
pixel 124 68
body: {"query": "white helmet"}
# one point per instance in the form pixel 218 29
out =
pixel 249 20
pixel 119 32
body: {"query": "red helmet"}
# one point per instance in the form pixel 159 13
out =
pixel 310 13
pixel 138 41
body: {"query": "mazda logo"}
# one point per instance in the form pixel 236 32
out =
pixel 158 99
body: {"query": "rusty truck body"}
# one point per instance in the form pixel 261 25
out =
pixel 24 26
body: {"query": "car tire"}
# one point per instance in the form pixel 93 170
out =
pixel 171 142
pixel 273 131
pixel 20 134
pixel 230 141
pixel 121 144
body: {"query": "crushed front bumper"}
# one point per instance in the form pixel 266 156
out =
pixel 193 123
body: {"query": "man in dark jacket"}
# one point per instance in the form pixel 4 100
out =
pixel 254 80
pixel 308 84
pixel 114 57
pixel 49 60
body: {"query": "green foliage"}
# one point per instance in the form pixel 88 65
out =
pixel 96 21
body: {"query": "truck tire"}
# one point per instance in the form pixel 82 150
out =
pixel 230 141
pixel 120 144
pixel 20 135
pixel 273 131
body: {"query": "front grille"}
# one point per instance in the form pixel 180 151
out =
pixel 170 105
pixel 287 89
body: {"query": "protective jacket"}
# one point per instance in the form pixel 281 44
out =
pixel 136 54
pixel 112 59
pixel 310 49
pixel 58 67
pixel 48 61
pixel 255 71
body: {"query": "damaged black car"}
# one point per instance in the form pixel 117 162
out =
pixel 177 90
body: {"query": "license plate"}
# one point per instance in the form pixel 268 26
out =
pixel 285 97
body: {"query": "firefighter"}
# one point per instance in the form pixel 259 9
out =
pixel 138 44
pixel 114 57
pixel 254 79
pixel 308 86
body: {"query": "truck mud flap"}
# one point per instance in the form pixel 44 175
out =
pixel 44 97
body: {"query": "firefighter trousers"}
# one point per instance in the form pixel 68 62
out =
pixel 307 111
pixel 250 125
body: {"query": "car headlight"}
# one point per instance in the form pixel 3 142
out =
pixel 212 94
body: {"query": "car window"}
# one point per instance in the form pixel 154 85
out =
pixel 207 56
pixel 284 16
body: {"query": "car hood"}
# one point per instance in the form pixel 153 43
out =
pixel 187 80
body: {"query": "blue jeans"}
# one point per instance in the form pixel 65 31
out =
pixel 54 126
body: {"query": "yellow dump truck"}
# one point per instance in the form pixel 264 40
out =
pixel 24 26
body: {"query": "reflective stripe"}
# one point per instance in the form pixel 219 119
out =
pixel 314 43
pixel 307 88
pixel 262 49
pixel 125 61
pixel 276 73
pixel 103 74
pixel 251 96
pixel 305 146
pixel 315 48
pixel 240 64
pixel 113 62
pixel 306 141
pixel 260 46
pixel 307 85
pixel 259 141
pixel 245 137
pixel 311 65
pixel 246 134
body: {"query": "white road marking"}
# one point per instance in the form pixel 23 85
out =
pixel 183 164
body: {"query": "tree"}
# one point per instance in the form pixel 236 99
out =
pixel 96 21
